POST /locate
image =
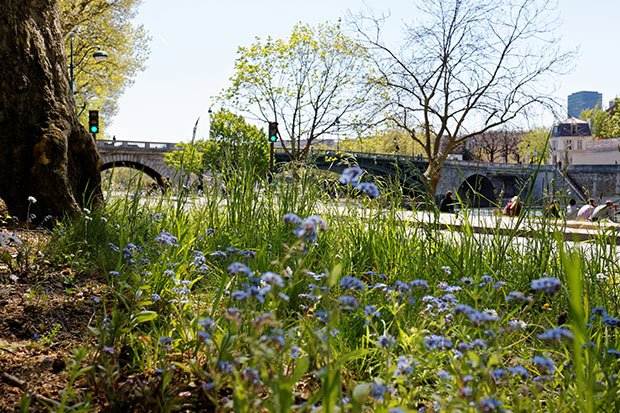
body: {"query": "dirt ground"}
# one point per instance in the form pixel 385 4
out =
pixel 44 316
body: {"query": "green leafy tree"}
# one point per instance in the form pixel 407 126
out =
pixel 233 143
pixel 312 84
pixel 534 146
pixel 107 24
pixel 466 67
pixel 604 123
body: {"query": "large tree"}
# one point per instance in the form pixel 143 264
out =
pixel 604 123
pixel 107 24
pixel 312 84
pixel 46 153
pixel 466 67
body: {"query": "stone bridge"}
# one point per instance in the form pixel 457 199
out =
pixel 480 184
pixel 147 157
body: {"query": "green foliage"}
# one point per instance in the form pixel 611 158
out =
pixel 388 141
pixel 218 304
pixel 605 124
pixel 534 146
pixel 233 144
pixel 106 24
pixel 309 83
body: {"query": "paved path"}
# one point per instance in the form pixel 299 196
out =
pixel 523 226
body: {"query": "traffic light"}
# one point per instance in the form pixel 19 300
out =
pixel 93 121
pixel 273 131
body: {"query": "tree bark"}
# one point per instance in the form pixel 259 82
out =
pixel 44 151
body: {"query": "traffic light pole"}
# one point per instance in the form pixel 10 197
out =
pixel 271 160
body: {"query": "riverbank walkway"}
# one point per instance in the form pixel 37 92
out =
pixel 525 226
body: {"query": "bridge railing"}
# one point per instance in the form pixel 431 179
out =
pixel 137 145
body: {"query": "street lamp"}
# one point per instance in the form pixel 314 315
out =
pixel 99 55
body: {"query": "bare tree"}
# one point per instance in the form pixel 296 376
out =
pixel 45 152
pixel 466 67
pixel 496 145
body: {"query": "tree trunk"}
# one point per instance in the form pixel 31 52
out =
pixel 44 151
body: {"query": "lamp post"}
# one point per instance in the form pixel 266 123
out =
pixel 99 55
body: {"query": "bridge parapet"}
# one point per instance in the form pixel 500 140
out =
pixel 137 146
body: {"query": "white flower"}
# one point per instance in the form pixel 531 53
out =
pixel 447 269
pixel 602 277
pixel 32 199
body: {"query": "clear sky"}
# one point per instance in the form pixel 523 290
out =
pixel 194 44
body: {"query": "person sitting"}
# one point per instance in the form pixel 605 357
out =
pixel 447 203
pixel 585 212
pixel 571 209
pixel 513 207
pixel 604 211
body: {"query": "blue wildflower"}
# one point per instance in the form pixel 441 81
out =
pixel 225 366
pixel 611 321
pixel 351 175
pixel 347 302
pixel 600 311
pixel 113 247
pixel 519 371
pixel 371 311
pixel 273 279
pixel 490 405
pixel 498 373
pixel 444 375
pixel 404 366
pixel 544 363
pixel 310 227
pixel 420 284
pixel 295 351
pixel 547 285
pixel 386 340
pixel 516 296
pixel 113 273
pixel 292 218
pixel 219 253
pixel 239 268
pixel 166 238
pixel 377 391
pixel 368 188
pixel 559 333
pixel 352 283
pixel 239 295
pixel 436 342
pixel 613 352
pixel 251 375
pixel 155 297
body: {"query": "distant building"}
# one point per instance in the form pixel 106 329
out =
pixel 580 101
pixel 572 143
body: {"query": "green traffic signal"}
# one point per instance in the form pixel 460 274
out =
pixel 93 121
pixel 273 132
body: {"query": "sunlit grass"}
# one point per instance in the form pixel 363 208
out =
pixel 221 301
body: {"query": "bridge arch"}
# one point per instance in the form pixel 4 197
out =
pixel 478 191
pixel 155 175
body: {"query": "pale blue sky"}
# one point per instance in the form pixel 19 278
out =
pixel 194 44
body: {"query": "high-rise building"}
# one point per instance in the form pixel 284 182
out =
pixel 580 101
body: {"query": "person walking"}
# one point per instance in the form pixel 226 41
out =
pixel 585 212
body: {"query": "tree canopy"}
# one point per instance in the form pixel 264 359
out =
pixel 232 142
pixel 604 123
pixel 312 84
pixel 107 24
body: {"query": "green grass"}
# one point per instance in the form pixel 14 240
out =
pixel 172 332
